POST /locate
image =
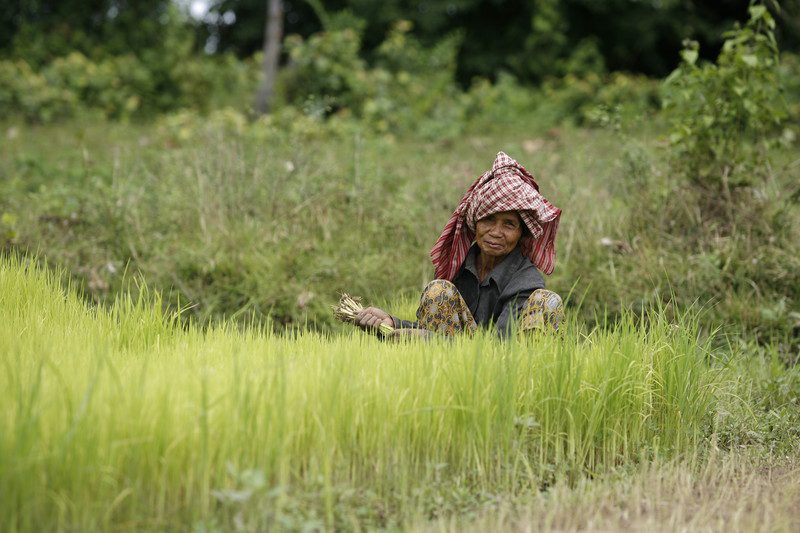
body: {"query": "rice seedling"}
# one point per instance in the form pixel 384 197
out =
pixel 122 420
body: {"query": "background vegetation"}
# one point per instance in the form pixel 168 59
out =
pixel 236 215
pixel 136 59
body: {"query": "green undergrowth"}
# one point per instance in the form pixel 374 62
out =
pixel 121 418
pixel 238 221
pixel 273 218
pixel 238 218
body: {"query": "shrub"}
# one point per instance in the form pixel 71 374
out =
pixel 632 94
pixel 724 114
pixel 217 82
pixel 29 94
pixel 722 219
pixel 488 104
pixel 417 84
pixel 119 87
pixel 115 86
pixel 409 88
pixel 325 69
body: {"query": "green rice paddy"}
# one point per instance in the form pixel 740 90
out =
pixel 120 418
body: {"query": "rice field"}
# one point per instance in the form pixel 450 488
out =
pixel 120 418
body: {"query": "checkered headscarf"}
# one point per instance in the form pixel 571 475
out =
pixel 507 187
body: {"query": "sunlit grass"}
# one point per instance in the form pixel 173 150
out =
pixel 122 419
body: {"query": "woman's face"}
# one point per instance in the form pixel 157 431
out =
pixel 498 234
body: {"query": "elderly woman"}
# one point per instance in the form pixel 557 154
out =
pixel 488 262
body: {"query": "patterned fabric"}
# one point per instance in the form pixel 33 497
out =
pixel 544 311
pixel 507 187
pixel 442 310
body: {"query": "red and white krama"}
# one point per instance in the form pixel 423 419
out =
pixel 507 187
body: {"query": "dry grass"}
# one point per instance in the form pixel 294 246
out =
pixel 729 493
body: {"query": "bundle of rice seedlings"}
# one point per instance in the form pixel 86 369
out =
pixel 348 308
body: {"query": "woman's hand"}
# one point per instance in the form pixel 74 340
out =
pixel 371 318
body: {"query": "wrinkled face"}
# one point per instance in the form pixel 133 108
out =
pixel 498 234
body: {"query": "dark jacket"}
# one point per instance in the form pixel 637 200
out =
pixel 501 296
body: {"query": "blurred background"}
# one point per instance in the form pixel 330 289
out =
pixel 250 159
pixel 132 59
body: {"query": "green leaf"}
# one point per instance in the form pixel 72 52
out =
pixel 756 12
pixel 750 60
pixel 689 56
pixel 676 137
pixel 8 219
pixel 674 75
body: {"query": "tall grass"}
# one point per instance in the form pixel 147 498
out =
pixel 277 221
pixel 121 419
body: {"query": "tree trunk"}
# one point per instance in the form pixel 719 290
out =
pixel 273 33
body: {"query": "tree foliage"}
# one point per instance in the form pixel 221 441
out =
pixel 41 30
pixel 725 112
pixel 532 39
pixel 113 56
pixel 125 58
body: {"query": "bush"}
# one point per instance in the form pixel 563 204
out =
pixel 115 87
pixel 725 114
pixel 217 82
pixel 721 223
pixel 325 70
pixel 410 87
pixel 587 99
pixel 119 87
pixel 415 86
pixel 789 79
pixel 31 95
pixel 503 101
